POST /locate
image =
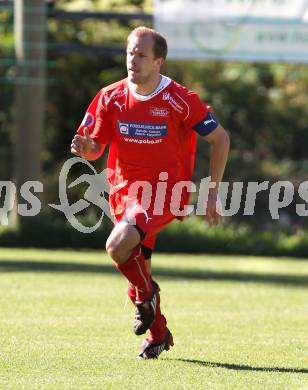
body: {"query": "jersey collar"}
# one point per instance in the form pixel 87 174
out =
pixel 164 82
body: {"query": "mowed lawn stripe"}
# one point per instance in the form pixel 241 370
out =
pixel 238 323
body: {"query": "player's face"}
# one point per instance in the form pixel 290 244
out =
pixel 142 66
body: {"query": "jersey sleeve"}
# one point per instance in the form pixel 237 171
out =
pixel 96 119
pixel 199 117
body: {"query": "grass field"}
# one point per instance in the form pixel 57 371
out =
pixel 238 323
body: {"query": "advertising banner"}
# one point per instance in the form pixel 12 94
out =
pixel 241 30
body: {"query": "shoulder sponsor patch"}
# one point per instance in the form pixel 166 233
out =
pixel 144 130
pixel 88 120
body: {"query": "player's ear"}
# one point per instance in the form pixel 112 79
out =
pixel 160 61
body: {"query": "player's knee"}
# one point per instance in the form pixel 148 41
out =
pixel 121 241
pixel 116 251
pixel 112 249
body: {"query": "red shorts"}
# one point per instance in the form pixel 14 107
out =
pixel 147 224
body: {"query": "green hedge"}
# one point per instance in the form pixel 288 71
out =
pixel 194 236
pixel 190 236
pixel 45 232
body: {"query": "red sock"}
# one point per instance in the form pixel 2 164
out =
pixel 134 270
pixel 158 329
pixel 131 292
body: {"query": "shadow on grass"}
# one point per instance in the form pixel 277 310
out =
pixel 186 274
pixel 53 266
pixel 242 367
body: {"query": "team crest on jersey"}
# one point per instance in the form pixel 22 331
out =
pixel 166 95
pixel 159 111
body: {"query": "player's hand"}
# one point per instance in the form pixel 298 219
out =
pixel 82 144
pixel 213 210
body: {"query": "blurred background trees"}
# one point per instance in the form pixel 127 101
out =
pixel 263 106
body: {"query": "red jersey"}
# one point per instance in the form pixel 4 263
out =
pixel 147 134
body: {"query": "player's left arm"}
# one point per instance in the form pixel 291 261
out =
pixel 220 144
pixel 201 119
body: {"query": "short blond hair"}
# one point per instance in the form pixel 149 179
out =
pixel 160 47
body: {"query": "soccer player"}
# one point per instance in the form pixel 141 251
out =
pixel 150 123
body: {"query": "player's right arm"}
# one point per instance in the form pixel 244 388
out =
pixel 84 146
pixel 93 134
